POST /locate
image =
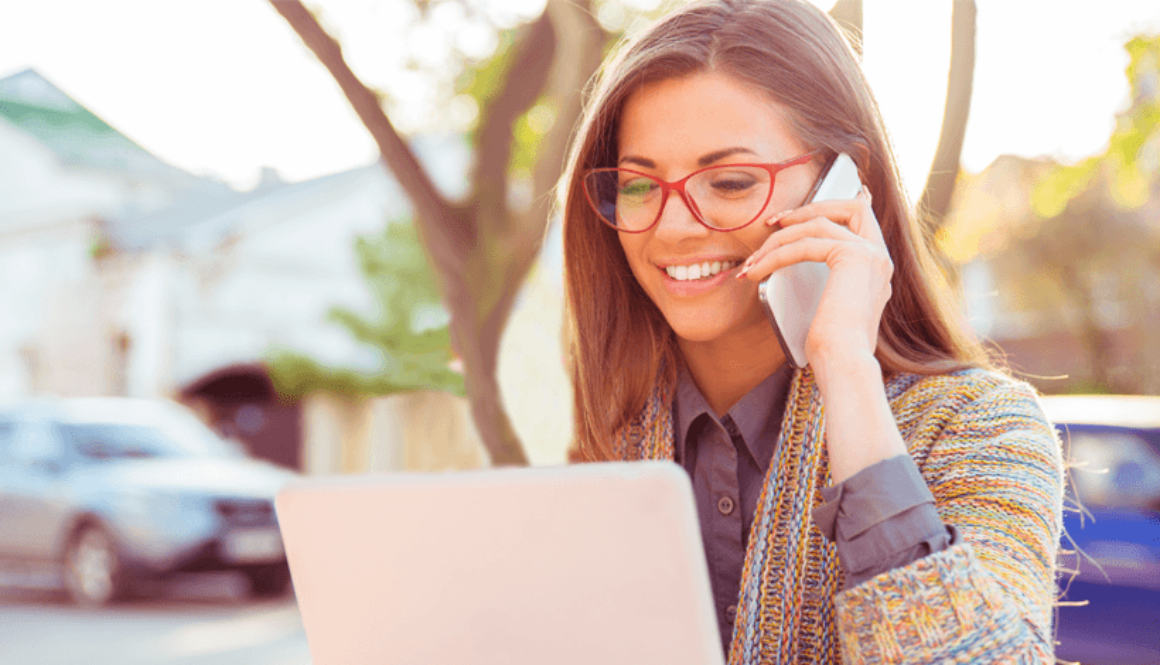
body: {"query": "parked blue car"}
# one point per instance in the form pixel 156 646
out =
pixel 108 492
pixel 1113 443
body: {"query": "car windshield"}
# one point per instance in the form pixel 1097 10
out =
pixel 176 437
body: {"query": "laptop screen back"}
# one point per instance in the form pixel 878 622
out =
pixel 596 563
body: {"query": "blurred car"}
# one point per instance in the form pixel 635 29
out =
pixel 1113 444
pixel 113 491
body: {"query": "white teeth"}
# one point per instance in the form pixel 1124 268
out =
pixel 698 270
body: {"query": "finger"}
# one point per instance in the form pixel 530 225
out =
pixel 838 246
pixel 820 227
pixel 856 213
pixel 805 249
pixel 839 211
pixel 868 226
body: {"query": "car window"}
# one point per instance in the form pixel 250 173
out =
pixel 188 435
pixel 103 441
pixel 32 442
pixel 1115 470
pixel 7 434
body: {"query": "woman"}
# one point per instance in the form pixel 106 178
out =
pixel 914 518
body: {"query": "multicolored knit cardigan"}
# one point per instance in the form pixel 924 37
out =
pixel 993 464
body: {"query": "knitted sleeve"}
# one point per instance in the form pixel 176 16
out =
pixel 995 470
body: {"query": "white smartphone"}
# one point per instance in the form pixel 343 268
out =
pixel 791 294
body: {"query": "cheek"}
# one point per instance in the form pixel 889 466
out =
pixel 794 191
pixel 753 236
pixel 632 246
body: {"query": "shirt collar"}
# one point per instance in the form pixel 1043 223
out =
pixel 758 414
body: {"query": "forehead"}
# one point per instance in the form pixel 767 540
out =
pixel 675 121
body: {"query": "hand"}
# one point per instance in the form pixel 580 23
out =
pixel 860 427
pixel 845 236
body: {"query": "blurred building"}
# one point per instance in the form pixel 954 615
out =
pixel 1070 300
pixel 63 173
pixel 123 275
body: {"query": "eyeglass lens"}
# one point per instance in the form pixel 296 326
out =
pixel 725 197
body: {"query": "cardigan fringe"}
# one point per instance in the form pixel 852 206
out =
pixel 993 464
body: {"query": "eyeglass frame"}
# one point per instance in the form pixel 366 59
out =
pixel 679 187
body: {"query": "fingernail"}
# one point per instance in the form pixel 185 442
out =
pixel 777 218
pixel 866 190
pixel 741 273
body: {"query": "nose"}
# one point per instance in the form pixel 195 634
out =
pixel 677 219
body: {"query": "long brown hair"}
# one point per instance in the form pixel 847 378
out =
pixel 620 345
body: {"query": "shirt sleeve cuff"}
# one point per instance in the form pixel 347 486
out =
pixel 881 518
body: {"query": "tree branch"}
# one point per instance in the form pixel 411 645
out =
pixel 848 14
pixel 522 85
pixel 578 53
pixel 437 216
pixel 944 169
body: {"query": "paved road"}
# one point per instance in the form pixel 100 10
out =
pixel 204 621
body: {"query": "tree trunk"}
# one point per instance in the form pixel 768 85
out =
pixel 944 169
pixel 482 250
pixel 848 14
pixel 491 420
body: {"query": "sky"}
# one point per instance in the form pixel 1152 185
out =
pixel 223 88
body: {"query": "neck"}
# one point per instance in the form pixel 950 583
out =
pixel 726 369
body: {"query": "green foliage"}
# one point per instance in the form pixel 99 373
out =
pixel 527 134
pixel 485 82
pixel 100 247
pixel 409 329
pixel 1083 259
pixel 1133 150
pixel 1052 194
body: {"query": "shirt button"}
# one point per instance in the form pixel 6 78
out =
pixel 725 505
pixel 731 613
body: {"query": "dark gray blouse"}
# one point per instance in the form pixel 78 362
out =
pixel 880 518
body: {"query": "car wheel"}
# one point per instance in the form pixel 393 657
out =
pixel 268 581
pixel 92 568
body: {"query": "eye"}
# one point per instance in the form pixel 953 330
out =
pixel 636 189
pixel 733 183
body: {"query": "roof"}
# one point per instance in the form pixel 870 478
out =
pixel 1137 411
pixel 37 107
pixel 203 212
pixel 201 219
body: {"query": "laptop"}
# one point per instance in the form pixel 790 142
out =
pixel 585 564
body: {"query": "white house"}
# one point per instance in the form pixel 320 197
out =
pixel 62 171
pixel 143 280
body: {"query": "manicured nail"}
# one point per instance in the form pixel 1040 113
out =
pixel 777 218
pixel 866 191
pixel 741 273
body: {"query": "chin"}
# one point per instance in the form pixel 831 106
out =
pixel 706 329
pixel 716 324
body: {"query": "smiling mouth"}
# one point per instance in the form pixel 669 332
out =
pixel 698 271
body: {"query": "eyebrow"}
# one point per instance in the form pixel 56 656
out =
pixel 703 160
